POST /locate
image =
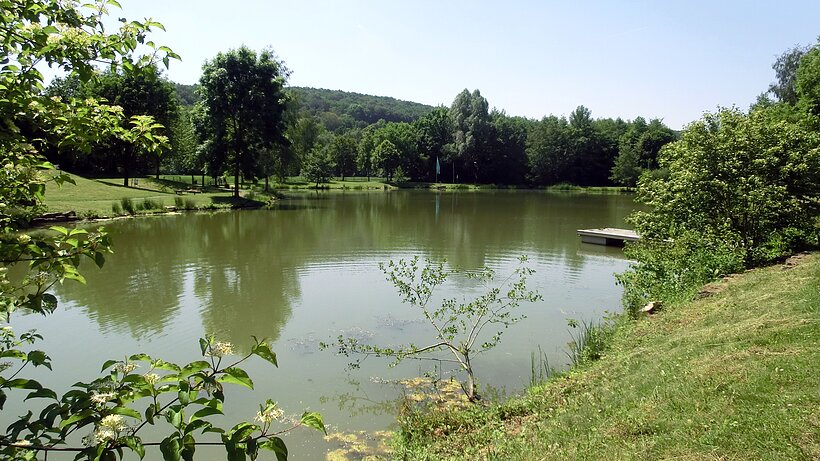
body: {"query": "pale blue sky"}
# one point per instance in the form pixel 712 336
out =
pixel 672 59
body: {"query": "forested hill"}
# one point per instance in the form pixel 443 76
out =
pixel 361 107
pixel 336 108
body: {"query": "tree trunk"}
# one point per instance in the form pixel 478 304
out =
pixel 470 387
pixel 266 183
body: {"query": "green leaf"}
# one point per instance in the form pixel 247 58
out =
pixel 207 411
pixel 263 350
pixel 170 448
pixel 21 383
pixel 42 394
pixel 38 358
pixel 277 446
pixel 135 444
pixel 313 420
pixel 150 412
pixel 236 376
pixel 125 411
pixel 174 417
pixel 188 447
pixel 197 424
pixel 193 367
pixel 203 345
pixel 75 418
pixel 242 431
pixel 108 364
pixel 13 354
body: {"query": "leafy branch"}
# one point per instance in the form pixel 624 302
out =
pixel 457 326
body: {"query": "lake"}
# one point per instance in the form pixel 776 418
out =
pixel 307 271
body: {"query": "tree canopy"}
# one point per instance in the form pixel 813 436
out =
pixel 243 107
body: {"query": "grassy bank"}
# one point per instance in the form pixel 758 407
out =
pixel 733 375
pixel 104 197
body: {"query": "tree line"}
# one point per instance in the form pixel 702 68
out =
pixel 242 120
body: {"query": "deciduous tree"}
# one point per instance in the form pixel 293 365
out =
pixel 244 106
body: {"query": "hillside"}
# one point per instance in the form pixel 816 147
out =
pixel 730 376
pixel 330 104
pixel 360 107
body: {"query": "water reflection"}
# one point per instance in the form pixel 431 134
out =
pixel 307 270
pixel 241 270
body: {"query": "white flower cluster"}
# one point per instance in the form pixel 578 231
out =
pixel 269 414
pixel 109 428
pixel 151 378
pixel 219 349
pixel 102 397
pixel 125 367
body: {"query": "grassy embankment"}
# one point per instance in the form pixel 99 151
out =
pixel 100 197
pixel 733 376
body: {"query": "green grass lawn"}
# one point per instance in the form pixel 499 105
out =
pixel 96 197
pixel 731 376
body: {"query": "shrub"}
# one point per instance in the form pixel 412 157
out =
pixel 190 204
pixel 675 271
pixel 179 202
pixel 116 208
pixel 128 205
pixel 151 204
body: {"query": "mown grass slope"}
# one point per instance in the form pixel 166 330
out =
pixel 732 376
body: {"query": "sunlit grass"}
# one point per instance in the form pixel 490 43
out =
pixel 731 376
pixel 100 197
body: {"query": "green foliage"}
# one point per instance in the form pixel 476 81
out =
pixel 116 208
pixel 387 157
pixel 138 92
pixel 738 190
pixel 319 165
pixel 638 150
pixel 673 271
pixel 473 132
pixel 242 110
pixel 746 179
pixel 785 68
pixel 590 342
pixel 151 204
pixel 458 326
pixel 128 205
pixel 185 397
pixel 343 150
pixel 807 81
pixel 354 109
pixel 118 405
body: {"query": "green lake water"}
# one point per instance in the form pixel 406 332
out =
pixel 307 271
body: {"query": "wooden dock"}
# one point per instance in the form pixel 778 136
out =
pixel 608 236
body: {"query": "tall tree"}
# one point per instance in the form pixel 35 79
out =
pixel 244 100
pixel 303 135
pixel 387 157
pixel 807 81
pixel 343 150
pixel 435 137
pixel 785 69
pixel 472 131
pixel 142 91
pixel 508 160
